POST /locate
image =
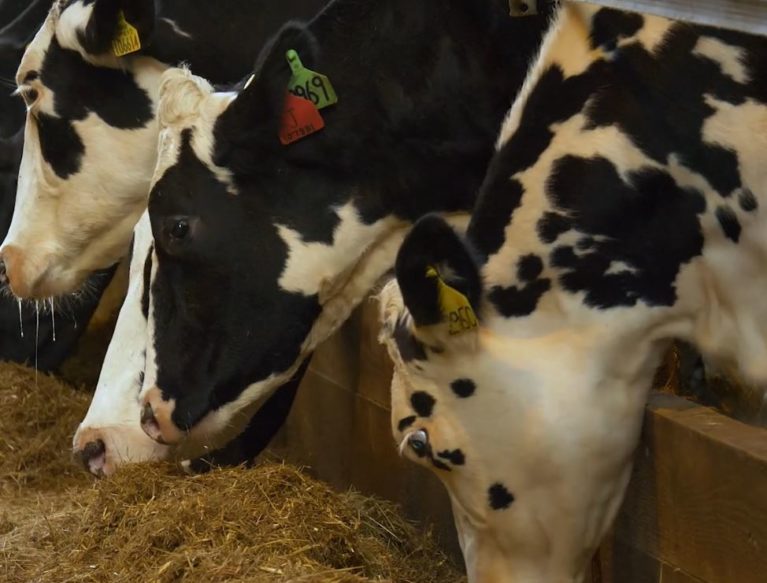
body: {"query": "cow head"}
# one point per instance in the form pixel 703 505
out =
pixel 88 146
pixel 531 428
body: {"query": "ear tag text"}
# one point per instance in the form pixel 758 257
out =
pixel 126 40
pixel 455 306
pixel 300 119
pixel 309 84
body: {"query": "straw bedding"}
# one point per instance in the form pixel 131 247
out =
pixel 152 523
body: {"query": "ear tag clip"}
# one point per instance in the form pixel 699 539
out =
pixel 309 84
pixel 455 306
pixel 127 39
pixel 300 119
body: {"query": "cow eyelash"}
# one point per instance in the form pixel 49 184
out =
pixel 28 94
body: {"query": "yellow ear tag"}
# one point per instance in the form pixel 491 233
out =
pixel 455 306
pixel 126 40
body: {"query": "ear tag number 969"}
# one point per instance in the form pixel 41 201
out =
pixel 309 84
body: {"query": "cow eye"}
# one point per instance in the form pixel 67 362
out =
pixel 29 96
pixel 179 228
pixel 418 442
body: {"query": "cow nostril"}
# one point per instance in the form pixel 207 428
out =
pixel 147 415
pixel 93 456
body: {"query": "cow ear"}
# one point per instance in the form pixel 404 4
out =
pixel 250 125
pixel 94 28
pixel 439 279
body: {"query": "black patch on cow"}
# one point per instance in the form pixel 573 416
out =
pixel 80 88
pixel 140 379
pixel 423 403
pixel 60 145
pixel 610 26
pixel 659 101
pixel 729 223
pixel 409 347
pixel 585 243
pixel 500 498
pixel 515 301
pixel 649 223
pixel 147 284
pixel 553 99
pixel 440 465
pixel 463 388
pixel 748 201
pixel 552 225
pixel 529 267
pixel 455 456
pixel 406 422
pixel 507 193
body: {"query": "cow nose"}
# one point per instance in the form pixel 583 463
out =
pixel 150 425
pixel 13 270
pixel 93 457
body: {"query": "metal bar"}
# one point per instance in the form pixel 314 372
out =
pixel 741 15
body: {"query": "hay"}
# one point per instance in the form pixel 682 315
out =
pixel 154 524
pixel 38 416
pixel 270 523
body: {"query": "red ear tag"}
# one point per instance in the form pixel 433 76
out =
pixel 300 119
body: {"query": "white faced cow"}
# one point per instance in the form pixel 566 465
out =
pixel 262 249
pixel 89 144
pixel 623 209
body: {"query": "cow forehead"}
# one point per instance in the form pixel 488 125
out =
pixel 32 60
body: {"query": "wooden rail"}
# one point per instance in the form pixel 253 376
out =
pixel 696 509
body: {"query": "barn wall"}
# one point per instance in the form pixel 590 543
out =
pixel 696 510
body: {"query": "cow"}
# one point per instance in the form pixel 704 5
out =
pixel 30 333
pixel 110 434
pixel 91 131
pixel 79 209
pixel 261 250
pixel 622 209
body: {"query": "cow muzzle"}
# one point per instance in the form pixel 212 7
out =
pixel 156 418
pixel 16 269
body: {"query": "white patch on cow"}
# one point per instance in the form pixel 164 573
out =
pixel 176 28
pixel 312 267
pixel 113 415
pixel 728 57
pixel 652 35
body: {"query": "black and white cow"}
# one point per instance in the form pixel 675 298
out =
pixel 31 332
pixel 91 131
pixel 262 250
pixel 623 208
pixel 91 141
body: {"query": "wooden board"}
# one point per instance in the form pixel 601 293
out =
pixel 697 502
pixel 744 15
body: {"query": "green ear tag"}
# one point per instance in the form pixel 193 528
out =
pixel 455 306
pixel 308 84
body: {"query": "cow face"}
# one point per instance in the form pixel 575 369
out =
pixel 110 434
pixel 216 327
pixel 531 432
pixel 88 147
